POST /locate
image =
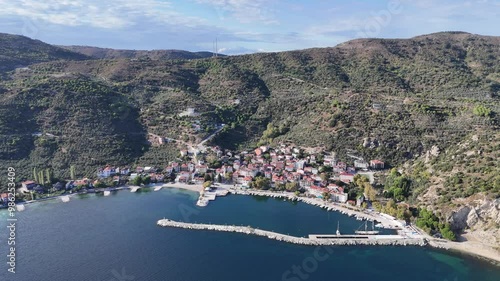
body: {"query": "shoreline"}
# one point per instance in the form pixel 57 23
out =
pixel 476 250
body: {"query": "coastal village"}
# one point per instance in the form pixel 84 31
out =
pixel 314 173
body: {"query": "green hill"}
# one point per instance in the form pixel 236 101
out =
pixel 20 51
pixel 106 53
pixel 377 98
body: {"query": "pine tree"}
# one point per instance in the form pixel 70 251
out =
pixel 40 178
pixel 48 175
pixel 35 175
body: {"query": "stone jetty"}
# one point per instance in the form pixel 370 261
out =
pixel 394 240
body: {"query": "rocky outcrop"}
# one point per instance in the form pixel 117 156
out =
pixel 480 218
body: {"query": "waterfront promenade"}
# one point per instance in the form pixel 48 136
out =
pixel 394 240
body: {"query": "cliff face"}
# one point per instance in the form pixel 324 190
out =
pixel 479 219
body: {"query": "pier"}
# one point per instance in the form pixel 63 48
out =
pixel 317 239
pixel 134 188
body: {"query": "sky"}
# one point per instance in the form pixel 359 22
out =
pixel 240 26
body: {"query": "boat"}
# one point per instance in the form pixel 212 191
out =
pixel 366 231
pixel 338 231
pixel 65 198
pixel 379 225
pixel 20 207
pixel 107 193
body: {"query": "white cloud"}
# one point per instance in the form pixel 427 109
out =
pixel 245 11
pixel 96 13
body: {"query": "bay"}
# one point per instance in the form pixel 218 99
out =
pixel 116 238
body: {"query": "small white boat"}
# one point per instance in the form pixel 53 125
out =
pixel 20 207
pixel 65 198
pixel 379 225
pixel 107 193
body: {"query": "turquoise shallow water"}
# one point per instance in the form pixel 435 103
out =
pixel 116 238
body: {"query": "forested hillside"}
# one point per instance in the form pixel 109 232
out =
pixel 387 99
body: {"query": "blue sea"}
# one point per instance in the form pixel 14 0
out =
pixel 116 238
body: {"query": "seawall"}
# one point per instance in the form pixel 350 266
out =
pixel 393 240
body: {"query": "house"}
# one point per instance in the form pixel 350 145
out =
pixel 29 185
pixel 376 164
pixel 4 198
pixel 82 182
pixel 125 171
pixel 258 152
pixel 201 169
pixel 176 167
pixel 337 193
pixel 184 153
pixel 317 190
pixel 299 165
pixel 106 172
pixel 346 177
pixel 246 181
pixel 139 170
pixel 340 167
pixel 184 167
pixel 169 169
pixel 360 164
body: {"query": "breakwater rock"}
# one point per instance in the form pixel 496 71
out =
pixel 394 240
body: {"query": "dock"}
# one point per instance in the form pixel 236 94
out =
pixel 208 196
pixel 134 188
pixel 313 239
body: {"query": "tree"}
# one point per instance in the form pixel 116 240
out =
pixel 292 186
pixel 326 196
pixel 100 184
pixel 447 233
pixel 481 110
pixel 137 181
pixel 228 176
pixel 35 175
pixel 207 184
pixel 40 178
pixel 72 172
pixel 146 180
pixel 261 183
pixel 48 175
pixel 207 177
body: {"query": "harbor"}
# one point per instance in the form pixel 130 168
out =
pixel 313 239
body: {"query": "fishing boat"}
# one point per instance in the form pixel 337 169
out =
pixel 366 231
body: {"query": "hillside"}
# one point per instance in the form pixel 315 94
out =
pixel 387 99
pixel 106 53
pixel 20 51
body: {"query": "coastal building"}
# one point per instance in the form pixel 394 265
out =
pixel 4 198
pixel 376 164
pixel 346 177
pixel 28 185
pixel 360 164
